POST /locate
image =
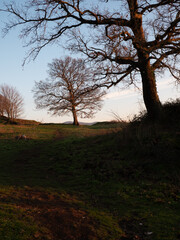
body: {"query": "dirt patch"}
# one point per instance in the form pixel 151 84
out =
pixel 59 219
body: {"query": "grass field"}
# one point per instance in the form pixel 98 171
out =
pixel 89 182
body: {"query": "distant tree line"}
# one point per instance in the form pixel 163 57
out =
pixel 11 102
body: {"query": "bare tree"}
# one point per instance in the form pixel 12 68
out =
pixel 69 89
pixel 136 40
pixel 2 103
pixel 11 102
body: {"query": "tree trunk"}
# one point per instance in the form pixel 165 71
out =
pixel 150 95
pixel 75 122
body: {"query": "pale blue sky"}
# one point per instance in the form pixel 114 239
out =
pixel 126 103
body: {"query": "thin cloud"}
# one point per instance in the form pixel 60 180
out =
pixel 120 94
pixel 131 92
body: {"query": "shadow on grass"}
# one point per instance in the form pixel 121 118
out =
pixel 32 191
pixel 130 178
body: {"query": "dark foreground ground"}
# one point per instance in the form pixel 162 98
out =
pixel 95 182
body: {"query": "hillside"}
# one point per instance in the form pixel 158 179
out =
pixel 6 120
pixel 91 182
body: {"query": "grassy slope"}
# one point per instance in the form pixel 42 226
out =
pixel 125 184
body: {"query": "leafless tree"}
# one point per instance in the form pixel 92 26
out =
pixel 69 88
pixel 2 102
pixel 136 39
pixel 11 102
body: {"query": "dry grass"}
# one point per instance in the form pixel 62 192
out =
pixel 11 131
pixel 82 132
pixel 53 131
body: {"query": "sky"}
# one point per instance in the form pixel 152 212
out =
pixel 126 103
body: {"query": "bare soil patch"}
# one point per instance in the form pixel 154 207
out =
pixel 57 218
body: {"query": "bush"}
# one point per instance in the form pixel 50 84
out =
pixel 171 115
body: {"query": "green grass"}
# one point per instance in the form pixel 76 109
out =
pixel 127 181
pixel 14 224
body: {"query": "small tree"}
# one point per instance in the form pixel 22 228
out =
pixel 69 89
pixel 2 100
pixel 11 102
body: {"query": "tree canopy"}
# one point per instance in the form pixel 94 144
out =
pixel 127 40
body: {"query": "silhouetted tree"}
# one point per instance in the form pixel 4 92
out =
pixel 133 40
pixel 2 102
pixel 69 88
pixel 11 102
